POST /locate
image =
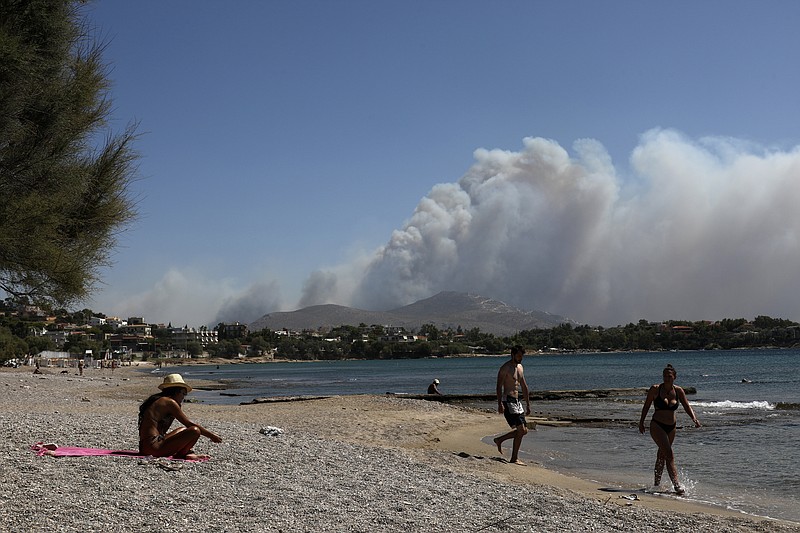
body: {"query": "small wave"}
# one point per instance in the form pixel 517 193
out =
pixel 728 404
pixel 788 406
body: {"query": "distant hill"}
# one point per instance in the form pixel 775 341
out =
pixel 445 310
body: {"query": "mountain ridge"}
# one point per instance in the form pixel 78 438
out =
pixel 447 309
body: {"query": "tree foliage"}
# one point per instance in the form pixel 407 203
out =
pixel 64 176
pixel 228 349
pixel 11 345
pixel 194 348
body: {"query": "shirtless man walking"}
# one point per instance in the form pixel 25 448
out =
pixel 510 379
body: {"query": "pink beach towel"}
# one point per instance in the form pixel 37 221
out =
pixel 71 451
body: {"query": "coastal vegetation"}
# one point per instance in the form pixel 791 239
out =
pixel 366 341
pixel 64 176
pixel 20 336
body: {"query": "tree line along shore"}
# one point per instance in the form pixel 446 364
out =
pixel 19 339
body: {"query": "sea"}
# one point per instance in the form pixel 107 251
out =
pixel 745 457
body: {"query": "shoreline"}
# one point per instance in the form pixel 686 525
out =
pixel 177 361
pixel 423 436
pixel 545 415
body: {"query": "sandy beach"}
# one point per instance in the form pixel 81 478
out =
pixel 348 463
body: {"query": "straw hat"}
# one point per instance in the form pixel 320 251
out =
pixel 174 380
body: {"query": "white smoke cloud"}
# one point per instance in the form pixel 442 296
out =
pixel 701 229
pixel 319 288
pixel 249 305
pixel 186 297
pixel 337 284
pixel 175 297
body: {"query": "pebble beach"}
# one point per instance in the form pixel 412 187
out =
pixel 348 463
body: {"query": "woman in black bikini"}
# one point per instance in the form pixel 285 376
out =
pixel 156 415
pixel 665 398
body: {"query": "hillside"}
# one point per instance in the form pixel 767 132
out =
pixel 444 310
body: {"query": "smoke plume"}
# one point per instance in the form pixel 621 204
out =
pixel 254 302
pixel 698 229
pixel 185 296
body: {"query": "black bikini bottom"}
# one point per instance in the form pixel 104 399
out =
pixel 668 428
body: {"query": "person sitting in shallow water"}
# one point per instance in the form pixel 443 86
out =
pixel 156 415
pixel 433 388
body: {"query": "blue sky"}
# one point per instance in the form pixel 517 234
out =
pixel 373 153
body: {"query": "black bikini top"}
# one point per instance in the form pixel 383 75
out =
pixel 661 403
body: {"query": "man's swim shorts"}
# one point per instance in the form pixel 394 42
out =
pixel 514 412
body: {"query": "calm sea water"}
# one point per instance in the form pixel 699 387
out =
pixel 745 457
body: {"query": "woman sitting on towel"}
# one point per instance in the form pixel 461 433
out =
pixel 156 415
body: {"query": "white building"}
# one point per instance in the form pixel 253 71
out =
pixel 182 336
pixel 116 322
pixel 58 336
pixel 142 330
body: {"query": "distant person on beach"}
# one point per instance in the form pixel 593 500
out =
pixel 80 366
pixel 433 388
pixel 156 415
pixel 666 398
pixel 510 379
